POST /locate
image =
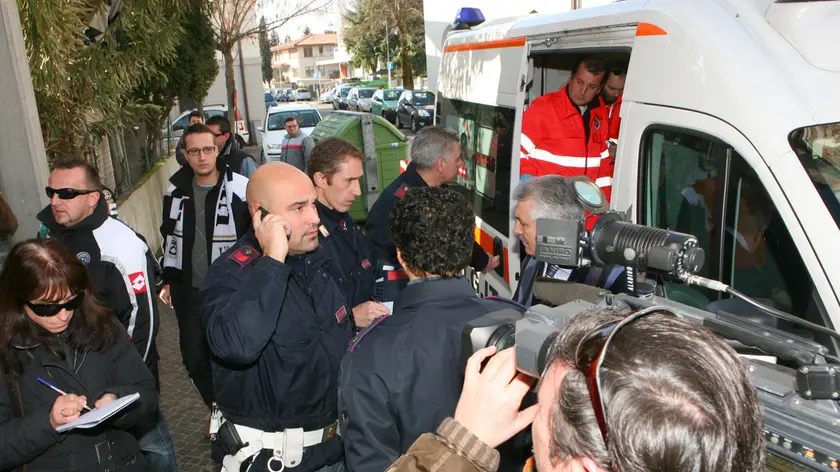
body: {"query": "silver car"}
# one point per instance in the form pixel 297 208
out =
pixel 360 97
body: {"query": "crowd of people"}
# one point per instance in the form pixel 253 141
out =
pixel 319 346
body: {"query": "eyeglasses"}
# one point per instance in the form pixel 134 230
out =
pixel 51 309
pixel 66 193
pixel 206 150
pixel 590 355
pixel 218 134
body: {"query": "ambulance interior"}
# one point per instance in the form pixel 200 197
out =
pixel 696 184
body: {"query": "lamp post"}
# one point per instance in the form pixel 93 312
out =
pixel 387 54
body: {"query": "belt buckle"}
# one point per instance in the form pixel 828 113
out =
pixel 329 432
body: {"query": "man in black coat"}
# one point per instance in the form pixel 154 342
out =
pixel 435 159
pixel 240 161
pixel 278 326
pixel 402 376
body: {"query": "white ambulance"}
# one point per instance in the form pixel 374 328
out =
pixel 730 132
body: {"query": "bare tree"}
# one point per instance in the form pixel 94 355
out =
pixel 235 20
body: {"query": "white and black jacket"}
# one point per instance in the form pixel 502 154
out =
pixel 121 267
pixel 226 224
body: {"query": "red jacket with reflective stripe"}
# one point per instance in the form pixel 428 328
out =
pixel 554 141
pixel 613 112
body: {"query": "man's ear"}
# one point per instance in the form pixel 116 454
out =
pixel 320 180
pixel 440 163
pixel 94 198
pixel 587 464
pixel 400 259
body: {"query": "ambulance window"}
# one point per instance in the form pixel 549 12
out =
pixel 698 185
pixel 486 148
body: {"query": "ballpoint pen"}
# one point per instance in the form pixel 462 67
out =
pixel 60 391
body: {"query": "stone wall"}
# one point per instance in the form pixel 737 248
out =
pixel 142 209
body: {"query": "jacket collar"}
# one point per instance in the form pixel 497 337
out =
pixel 183 178
pixel 330 218
pixel 412 178
pixel 432 291
pixel 95 220
pixel 228 147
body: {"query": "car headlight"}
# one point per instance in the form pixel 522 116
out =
pixel 423 113
pixel 272 147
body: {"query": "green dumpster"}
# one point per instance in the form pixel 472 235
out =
pixel 382 145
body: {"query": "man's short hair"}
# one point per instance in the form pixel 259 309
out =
pixel 594 66
pixel 91 175
pixel 618 68
pixel 221 121
pixel 328 155
pixel 198 128
pixel 677 397
pixel 433 227
pixel 430 143
pixel 291 118
pixel 196 114
pixel 552 197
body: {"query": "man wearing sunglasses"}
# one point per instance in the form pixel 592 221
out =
pixel 240 161
pixel 638 392
pixel 121 268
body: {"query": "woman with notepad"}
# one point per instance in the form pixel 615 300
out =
pixel 66 365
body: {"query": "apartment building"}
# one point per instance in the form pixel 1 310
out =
pixel 297 61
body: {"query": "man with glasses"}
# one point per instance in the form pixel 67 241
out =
pixel 638 392
pixel 204 213
pixel 121 268
pixel 239 161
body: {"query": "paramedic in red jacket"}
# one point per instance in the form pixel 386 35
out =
pixel 612 94
pixel 566 132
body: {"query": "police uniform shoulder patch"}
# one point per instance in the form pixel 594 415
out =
pixel 367 329
pixel 244 256
pixel 401 191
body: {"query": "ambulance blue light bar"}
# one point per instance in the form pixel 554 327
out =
pixel 469 16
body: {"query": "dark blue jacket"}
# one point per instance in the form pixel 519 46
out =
pixel 377 223
pixel 277 332
pixel 404 376
pixel 354 266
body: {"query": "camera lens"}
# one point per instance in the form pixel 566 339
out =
pixel 503 338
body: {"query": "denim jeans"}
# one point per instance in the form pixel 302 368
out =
pixel 156 444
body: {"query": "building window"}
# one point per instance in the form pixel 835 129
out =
pixel 320 49
pixel 310 71
pixel 335 74
pixel 307 52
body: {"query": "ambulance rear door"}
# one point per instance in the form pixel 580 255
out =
pixel 480 94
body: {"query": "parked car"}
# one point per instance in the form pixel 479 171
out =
pixel 415 108
pixel 269 100
pixel 181 123
pixel 327 95
pixel 340 96
pixel 275 126
pixel 384 103
pixel 303 93
pixel 359 98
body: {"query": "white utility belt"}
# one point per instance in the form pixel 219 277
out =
pixel 287 446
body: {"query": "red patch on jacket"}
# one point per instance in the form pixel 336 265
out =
pixel 401 191
pixel 341 314
pixel 138 282
pixel 244 256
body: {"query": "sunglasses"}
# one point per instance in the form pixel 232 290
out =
pixel 52 309
pixel 195 151
pixel 66 193
pixel 590 355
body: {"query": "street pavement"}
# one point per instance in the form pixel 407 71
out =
pixel 184 411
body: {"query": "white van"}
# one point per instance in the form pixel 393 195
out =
pixel 730 131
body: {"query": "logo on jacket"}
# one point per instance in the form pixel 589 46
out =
pixel 83 257
pixel 138 282
pixel 341 314
pixel 401 191
pixel 597 122
pixel 366 264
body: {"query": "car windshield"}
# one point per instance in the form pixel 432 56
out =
pixel 818 149
pixel 268 97
pixel 306 119
pixel 392 94
pixel 303 90
pixel 345 92
pixel 366 93
pixel 424 98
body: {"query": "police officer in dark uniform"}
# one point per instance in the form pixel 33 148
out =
pixel 335 167
pixel 278 326
pixel 435 159
pixel 402 376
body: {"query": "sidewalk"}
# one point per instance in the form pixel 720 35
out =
pixel 185 413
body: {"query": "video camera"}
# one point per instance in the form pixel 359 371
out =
pixel 799 395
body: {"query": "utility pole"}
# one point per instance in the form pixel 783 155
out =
pixel 576 4
pixel 387 54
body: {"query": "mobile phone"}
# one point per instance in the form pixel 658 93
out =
pixel 263 212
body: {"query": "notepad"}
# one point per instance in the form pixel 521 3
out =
pixel 389 306
pixel 97 416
